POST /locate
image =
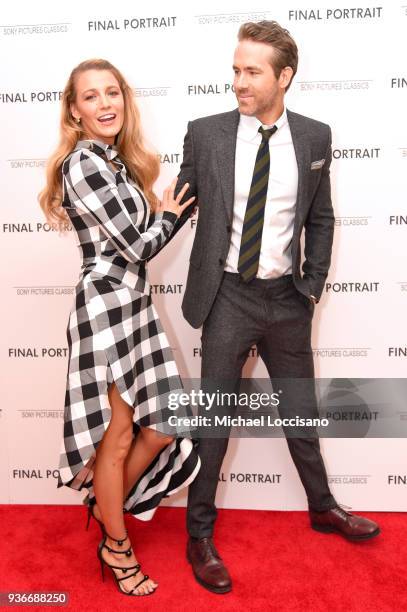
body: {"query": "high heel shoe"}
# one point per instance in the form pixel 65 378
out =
pixel 90 503
pixel 102 544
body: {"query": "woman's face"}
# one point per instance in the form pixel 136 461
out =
pixel 99 104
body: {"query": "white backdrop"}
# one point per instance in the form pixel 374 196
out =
pixel 352 75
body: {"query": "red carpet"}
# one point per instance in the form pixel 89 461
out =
pixel 277 562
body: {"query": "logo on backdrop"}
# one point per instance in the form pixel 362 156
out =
pixel 246 478
pixel 336 14
pixel 34 352
pixel 398 82
pixel 348 479
pixel 166 289
pixel 231 18
pixel 131 24
pixel 352 221
pixel 20 163
pixel 356 153
pixel 397 351
pixel 253 353
pixel 34 473
pixel 29 227
pixel 24 97
pixel 147 92
pixel 170 158
pixel 352 287
pixel 397 479
pixel 343 414
pixel 45 290
pixel 341 352
pixel 398 220
pixel 35 28
pixel 41 414
pixel 343 85
pixel 208 89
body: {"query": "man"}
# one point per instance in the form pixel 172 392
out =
pixel 261 176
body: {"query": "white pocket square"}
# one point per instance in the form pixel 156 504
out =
pixel 316 165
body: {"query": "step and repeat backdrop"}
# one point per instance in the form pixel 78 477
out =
pixel 178 57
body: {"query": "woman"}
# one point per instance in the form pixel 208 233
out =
pixel 121 369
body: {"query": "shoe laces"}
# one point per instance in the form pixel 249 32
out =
pixel 211 548
pixel 342 512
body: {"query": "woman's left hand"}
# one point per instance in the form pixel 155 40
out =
pixel 173 204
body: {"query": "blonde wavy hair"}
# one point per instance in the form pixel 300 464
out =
pixel 142 165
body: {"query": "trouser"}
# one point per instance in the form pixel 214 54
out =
pixel 273 315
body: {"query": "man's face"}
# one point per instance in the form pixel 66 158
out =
pixel 256 87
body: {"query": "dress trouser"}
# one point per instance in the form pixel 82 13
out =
pixel 273 315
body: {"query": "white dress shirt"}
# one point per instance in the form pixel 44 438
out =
pixel 275 253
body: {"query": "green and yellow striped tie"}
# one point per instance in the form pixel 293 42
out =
pixel 249 253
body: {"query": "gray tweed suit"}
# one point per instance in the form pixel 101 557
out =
pixel 274 314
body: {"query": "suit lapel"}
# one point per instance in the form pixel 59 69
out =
pixel 226 150
pixel 302 150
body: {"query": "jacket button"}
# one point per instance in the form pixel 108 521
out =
pixel 228 229
pixel 221 262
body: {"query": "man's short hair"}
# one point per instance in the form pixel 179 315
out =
pixel 285 52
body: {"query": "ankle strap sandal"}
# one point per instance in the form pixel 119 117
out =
pixel 119 543
pixel 124 570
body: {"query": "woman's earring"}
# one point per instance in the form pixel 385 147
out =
pixel 77 119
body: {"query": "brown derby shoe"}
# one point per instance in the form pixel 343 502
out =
pixel 350 526
pixel 207 565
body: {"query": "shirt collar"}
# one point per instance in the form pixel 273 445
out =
pixel 250 125
pixel 98 147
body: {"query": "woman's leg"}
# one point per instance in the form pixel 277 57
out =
pixel 108 480
pixel 110 457
pixel 144 448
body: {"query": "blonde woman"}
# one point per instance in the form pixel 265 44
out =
pixel 121 369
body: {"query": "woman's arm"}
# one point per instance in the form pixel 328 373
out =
pixel 95 193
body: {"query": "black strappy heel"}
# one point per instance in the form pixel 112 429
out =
pixel 90 503
pixel 127 552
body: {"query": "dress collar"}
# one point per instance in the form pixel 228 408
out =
pixel 98 147
pixel 250 125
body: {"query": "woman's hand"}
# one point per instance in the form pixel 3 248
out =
pixel 173 205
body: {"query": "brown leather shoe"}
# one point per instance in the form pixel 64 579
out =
pixel 350 526
pixel 208 566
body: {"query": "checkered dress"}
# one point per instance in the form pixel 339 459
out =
pixel 114 333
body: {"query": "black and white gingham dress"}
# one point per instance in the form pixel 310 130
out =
pixel 114 333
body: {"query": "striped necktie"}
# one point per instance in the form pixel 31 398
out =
pixel 249 253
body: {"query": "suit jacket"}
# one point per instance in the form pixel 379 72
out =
pixel 209 166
